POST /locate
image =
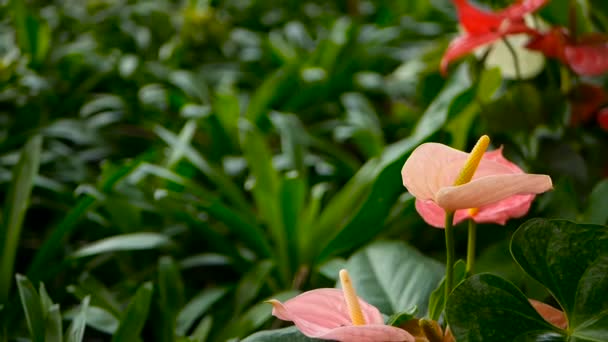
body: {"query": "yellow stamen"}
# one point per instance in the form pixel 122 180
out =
pixel 352 301
pixel 473 211
pixel 472 163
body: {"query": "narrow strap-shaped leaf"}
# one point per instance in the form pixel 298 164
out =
pixel 32 308
pixel 171 292
pixel 16 205
pixel 135 315
pixel 76 329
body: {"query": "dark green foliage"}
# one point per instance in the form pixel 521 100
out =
pixel 166 166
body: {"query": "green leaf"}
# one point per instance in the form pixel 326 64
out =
pixel 363 125
pixel 597 209
pixel 398 318
pixel 255 317
pixel 196 308
pixel 227 111
pixel 125 242
pixel 59 233
pixel 292 198
pixel 294 140
pixel 45 300
pixel 102 320
pixel 251 283
pixel 272 89
pixel 100 295
pixel 265 189
pixel 224 183
pixel 437 298
pixel 357 213
pixel 30 301
pixel 202 330
pixel 291 334
pixel 75 331
pixel 571 260
pixel 135 315
pixel 393 276
pixel 53 329
pixel 17 201
pixel 488 308
pixel 171 292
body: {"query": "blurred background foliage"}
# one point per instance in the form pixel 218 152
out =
pixel 165 166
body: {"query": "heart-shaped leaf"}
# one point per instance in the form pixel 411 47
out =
pixel 486 307
pixel 571 260
pixel 394 277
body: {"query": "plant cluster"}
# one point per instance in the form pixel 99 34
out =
pixel 183 170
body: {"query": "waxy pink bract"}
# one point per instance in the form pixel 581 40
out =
pixel 323 314
pixel 499 189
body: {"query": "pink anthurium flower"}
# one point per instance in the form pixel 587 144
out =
pixel 337 314
pixel 484 27
pixel 499 189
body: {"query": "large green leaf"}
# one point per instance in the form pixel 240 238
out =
pixel 393 276
pixel 279 335
pixel 571 260
pixel 486 307
pixel 357 213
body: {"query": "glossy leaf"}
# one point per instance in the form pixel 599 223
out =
pixel 393 276
pixel 486 307
pixel 571 260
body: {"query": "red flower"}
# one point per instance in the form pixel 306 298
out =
pixel 586 99
pixel 483 27
pixel 602 119
pixel 586 56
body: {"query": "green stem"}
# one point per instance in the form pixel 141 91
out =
pixel 449 246
pixel 515 59
pixel 471 247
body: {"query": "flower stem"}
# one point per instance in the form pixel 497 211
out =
pixel 514 55
pixel 471 247
pixel 449 246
